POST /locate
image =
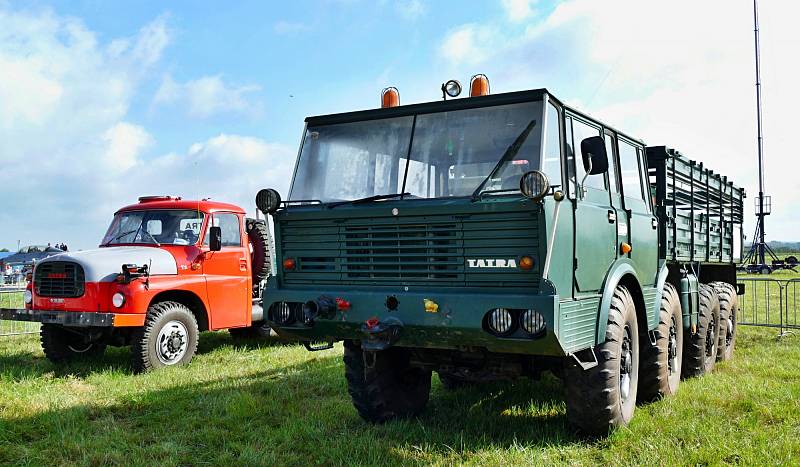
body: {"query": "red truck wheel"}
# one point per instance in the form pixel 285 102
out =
pixel 169 337
pixel 60 344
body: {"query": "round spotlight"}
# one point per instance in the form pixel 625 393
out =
pixel 452 88
pixel 118 300
pixel 27 296
pixel 282 313
pixel 500 321
pixel 532 322
pixel 534 185
pixel 268 200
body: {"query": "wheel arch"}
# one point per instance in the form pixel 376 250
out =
pixel 622 273
pixel 188 299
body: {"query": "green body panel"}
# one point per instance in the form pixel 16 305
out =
pixel 578 323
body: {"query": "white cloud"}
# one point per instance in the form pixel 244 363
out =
pixel 651 70
pixel 411 9
pixel 208 96
pixel 518 10
pixel 125 142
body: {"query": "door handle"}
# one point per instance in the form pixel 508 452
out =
pixel 612 216
pixel 654 223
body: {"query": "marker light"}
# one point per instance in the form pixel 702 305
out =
pixel 289 264
pixel 118 300
pixel 625 248
pixel 526 263
pixel 500 321
pixel 390 97
pixel 479 86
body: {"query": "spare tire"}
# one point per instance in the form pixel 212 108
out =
pixel 260 244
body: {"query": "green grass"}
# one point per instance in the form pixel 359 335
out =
pixel 259 403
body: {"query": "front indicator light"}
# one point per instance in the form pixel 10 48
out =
pixel 526 263
pixel 118 300
pixel 500 321
pixel 27 296
pixel 532 322
pixel 289 264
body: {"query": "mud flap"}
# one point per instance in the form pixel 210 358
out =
pixel 380 335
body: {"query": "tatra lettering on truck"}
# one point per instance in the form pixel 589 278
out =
pixel 498 236
pixel 167 269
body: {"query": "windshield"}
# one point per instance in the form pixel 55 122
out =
pixel 163 226
pixel 450 154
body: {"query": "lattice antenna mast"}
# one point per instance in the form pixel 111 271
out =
pixel 760 214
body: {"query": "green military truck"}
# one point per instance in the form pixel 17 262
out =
pixel 499 236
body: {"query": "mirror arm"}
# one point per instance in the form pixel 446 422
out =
pixel 583 181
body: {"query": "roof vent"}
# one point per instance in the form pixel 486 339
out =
pixel 149 199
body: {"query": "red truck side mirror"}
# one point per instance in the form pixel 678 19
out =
pixel 215 238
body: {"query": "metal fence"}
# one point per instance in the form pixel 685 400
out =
pixel 769 302
pixel 11 297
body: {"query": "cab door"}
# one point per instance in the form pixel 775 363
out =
pixel 623 216
pixel 595 217
pixel 227 274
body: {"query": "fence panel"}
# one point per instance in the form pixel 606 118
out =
pixel 769 302
pixel 11 297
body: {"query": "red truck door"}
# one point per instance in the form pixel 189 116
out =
pixel 227 273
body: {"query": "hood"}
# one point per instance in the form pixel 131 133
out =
pixel 103 264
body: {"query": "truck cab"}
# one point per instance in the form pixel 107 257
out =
pixel 482 238
pixel 166 269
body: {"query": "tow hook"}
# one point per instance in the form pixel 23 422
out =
pixel 380 335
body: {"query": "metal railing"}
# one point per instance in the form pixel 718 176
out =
pixel 11 297
pixel 770 303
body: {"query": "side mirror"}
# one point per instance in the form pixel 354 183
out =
pixel 595 159
pixel 215 238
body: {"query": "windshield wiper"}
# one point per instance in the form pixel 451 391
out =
pixel 369 199
pixel 134 237
pixel 512 151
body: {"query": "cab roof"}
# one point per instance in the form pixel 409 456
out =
pixel 170 202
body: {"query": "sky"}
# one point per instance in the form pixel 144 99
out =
pixel 102 102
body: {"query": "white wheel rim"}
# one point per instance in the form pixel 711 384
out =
pixel 80 350
pixel 172 342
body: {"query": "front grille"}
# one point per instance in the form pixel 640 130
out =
pixel 410 250
pixel 59 279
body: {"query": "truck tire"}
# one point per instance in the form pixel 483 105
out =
pixel 258 330
pixel 60 344
pixel 452 382
pixel 660 369
pixel 168 337
pixel 728 312
pixel 604 397
pixel 260 242
pixel 383 385
pixel 700 350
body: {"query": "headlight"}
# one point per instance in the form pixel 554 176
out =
pixel 282 313
pixel 532 322
pixel 500 320
pixel 27 296
pixel 118 300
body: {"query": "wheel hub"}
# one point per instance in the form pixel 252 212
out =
pixel 626 366
pixel 172 342
pixel 672 349
pixel 711 336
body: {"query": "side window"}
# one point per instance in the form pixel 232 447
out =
pixel 229 224
pixel 630 171
pixel 612 166
pixel 551 165
pixel 582 131
pixel 569 154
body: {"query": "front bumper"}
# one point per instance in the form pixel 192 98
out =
pixel 73 318
pixel 458 322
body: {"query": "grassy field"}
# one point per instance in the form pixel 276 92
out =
pixel 260 403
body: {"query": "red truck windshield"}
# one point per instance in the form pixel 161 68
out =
pixel 162 226
pixel 451 154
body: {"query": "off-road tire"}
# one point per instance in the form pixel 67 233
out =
pixel 595 403
pixel 259 237
pixel 700 354
pixel 728 313
pixel 452 382
pixel 383 385
pixel 256 331
pixel 145 340
pixel 60 344
pixel 660 367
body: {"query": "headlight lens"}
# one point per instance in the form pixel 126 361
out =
pixel 282 313
pixel 118 300
pixel 532 322
pixel 27 296
pixel 500 320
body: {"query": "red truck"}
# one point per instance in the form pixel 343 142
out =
pixel 167 269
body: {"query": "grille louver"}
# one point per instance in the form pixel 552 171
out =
pixel 60 279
